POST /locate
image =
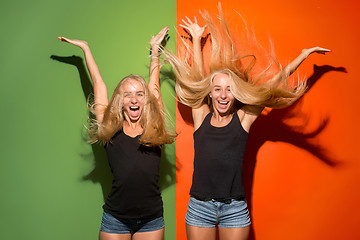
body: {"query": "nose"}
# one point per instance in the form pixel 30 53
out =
pixel 223 94
pixel 133 99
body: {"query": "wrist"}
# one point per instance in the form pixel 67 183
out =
pixel 155 51
pixel 196 38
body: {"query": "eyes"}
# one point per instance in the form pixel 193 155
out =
pixel 218 89
pixel 139 94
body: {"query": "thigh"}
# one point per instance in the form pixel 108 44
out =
pixel 200 233
pixel 153 235
pixel 113 236
pixel 234 233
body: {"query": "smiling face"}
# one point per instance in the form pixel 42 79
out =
pixel 133 100
pixel 221 95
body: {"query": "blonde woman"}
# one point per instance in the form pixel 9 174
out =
pixel 226 97
pixel 132 127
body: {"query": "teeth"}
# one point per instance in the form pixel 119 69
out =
pixel 134 108
pixel 221 102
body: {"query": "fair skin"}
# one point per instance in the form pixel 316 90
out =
pixel 222 103
pixel 133 104
pixel 134 99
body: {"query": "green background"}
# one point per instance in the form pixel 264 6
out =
pixel 53 183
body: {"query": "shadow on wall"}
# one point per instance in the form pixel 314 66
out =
pixel 271 127
pixel 101 173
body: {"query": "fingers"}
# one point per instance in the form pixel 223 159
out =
pixel 184 26
pixel 190 22
pixel 63 39
pixel 163 32
pixel 187 24
pixel 325 50
pixel 164 29
pixel 156 40
pixel 322 50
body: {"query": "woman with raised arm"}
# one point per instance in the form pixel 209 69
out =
pixel 226 97
pixel 132 128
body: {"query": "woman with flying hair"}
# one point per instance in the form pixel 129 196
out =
pixel 226 93
pixel 132 127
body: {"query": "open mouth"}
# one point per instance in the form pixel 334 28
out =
pixel 134 111
pixel 134 108
pixel 223 104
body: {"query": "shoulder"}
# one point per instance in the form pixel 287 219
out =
pixel 199 115
pixel 248 114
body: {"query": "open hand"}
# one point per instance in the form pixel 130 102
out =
pixel 75 42
pixel 155 41
pixel 316 50
pixel 193 27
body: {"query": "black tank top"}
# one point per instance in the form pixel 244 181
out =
pixel 218 163
pixel 135 190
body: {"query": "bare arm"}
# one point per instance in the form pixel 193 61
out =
pixel 197 32
pixel 291 68
pixel 248 114
pixel 100 90
pixel 154 79
pixel 196 35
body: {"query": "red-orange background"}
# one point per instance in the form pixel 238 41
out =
pixel 302 169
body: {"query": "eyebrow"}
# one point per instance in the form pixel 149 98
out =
pixel 135 92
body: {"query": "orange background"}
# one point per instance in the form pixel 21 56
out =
pixel 302 169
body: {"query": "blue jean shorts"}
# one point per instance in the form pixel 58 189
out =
pixel 213 213
pixel 110 224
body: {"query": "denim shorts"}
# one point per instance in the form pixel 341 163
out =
pixel 110 224
pixel 214 213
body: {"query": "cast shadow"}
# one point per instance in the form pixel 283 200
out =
pixel 167 167
pixel 101 172
pixel 168 76
pixel 272 127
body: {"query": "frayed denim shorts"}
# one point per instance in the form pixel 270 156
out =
pixel 233 214
pixel 110 224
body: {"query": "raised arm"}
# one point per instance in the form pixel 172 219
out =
pixel 248 114
pixel 100 90
pixel 196 37
pixel 155 43
pixel 291 68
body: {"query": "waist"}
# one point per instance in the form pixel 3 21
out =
pixel 222 200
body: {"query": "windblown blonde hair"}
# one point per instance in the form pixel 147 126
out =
pixel 193 84
pixel 152 118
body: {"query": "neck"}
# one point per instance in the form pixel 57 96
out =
pixel 221 116
pixel 131 124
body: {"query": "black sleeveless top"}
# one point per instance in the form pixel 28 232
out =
pixel 218 163
pixel 135 189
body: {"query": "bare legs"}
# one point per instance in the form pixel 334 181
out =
pixel 200 233
pixel 234 233
pixel 154 235
pixel 113 236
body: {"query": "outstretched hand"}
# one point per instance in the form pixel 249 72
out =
pixel 193 30
pixel 193 27
pixel 155 41
pixel 75 42
pixel 316 50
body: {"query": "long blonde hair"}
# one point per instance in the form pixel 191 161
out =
pixel 152 118
pixel 194 84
